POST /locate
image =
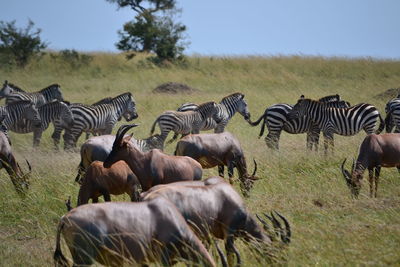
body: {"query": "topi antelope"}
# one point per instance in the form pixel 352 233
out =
pixel 111 233
pixel 218 149
pixel 8 162
pixel 152 167
pixel 213 206
pixel 376 151
pixel 116 180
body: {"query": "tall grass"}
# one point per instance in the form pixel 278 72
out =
pixel 329 227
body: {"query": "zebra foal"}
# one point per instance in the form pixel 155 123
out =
pixel 13 93
pixel 342 121
pixel 48 113
pixel 184 122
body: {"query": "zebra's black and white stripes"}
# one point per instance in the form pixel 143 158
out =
pixel 184 122
pixel 99 118
pixel 12 93
pixel 342 121
pixel 276 119
pixel 18 111
pixel 392 119
pixel 48 112
pixel 226 109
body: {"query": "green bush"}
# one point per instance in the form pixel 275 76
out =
pixel 71 57
pixel 19 46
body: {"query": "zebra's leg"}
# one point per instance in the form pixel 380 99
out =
pixel 37 135
pixel 173 139
pixel 328 142
pixel 377 173
pixel 221 170
pixel 56 136
pixel 371 182
pixel 272 140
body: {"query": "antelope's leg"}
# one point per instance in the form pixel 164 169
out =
pixel 231 165
pixel 377 173
pixel 231 251
pixel 371 182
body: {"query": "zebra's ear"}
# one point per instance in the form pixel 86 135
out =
pixel 302 97
pixel 5 83
pixel 241 96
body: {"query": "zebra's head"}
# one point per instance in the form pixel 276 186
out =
pixel 299 110
pixel 242 108
pixel 6 90
pixel 130 110
pixel 31 113
pixel 66 116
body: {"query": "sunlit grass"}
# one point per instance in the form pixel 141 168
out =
pixel 329 227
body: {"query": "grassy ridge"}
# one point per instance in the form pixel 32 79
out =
pixel 329 228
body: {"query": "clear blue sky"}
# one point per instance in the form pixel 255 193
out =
pixel 354 28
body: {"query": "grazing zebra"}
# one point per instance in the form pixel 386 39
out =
pixel 392 119
pixel 276 119
pixel 100 118
pixel 48 113
pixel 17 111
pixel 342 121
pixel 12 93
pixel 228 106
pixel 184 122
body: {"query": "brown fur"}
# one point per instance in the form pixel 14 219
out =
pixel 376 151
pixel 152 167
pixel 110 233
pixel 116 180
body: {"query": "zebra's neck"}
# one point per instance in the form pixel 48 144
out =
pixel 120 104
pixel 231 106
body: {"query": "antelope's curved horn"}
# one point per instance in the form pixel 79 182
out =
pixel 255 168
pixel 29 165
pixel 265 224
pixel 122 130
pixel 353 165
pixel 345 173
pixel 287 228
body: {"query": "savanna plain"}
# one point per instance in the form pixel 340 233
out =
pixel 329 227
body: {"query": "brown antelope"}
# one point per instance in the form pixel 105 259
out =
pixel 8 162
pixel 152 167
pixel 213 206
pixel 376 151
pixel 111 233
pixel 98 148
pixel 218 149
pixel 116 180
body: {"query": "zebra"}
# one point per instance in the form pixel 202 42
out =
pixel 392 119
pixel 100 118
pixel 342 121
pixel 13 93
pixel 17 111
pixel 228 106
pixel 184 122
pixel 106 100
pixel 48 113
pixel 276 119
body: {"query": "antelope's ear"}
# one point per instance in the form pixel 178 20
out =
pixel 126 139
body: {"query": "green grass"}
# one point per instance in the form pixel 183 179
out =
pixel 329 227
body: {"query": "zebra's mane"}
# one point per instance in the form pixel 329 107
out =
pixel 16 88
pixel 234 95
pixel 330 98
pixel 49 87
pixel 106 100
pixel 21 102
pixel 205 104
pixel 125 94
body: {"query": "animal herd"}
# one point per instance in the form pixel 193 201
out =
pixel 176 214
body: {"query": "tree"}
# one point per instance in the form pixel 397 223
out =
pixel 151 32
pixel 19 46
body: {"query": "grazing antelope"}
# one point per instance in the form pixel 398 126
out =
pixel 376 151
pixel 141 233
pixel 8 162
pixel 116 180
pixel 98 148
pixel 213 206
pixel 218 149
pixel 152 167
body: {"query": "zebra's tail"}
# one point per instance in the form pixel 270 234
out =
pixel 153 127
pixel 381 125
pixel 257 122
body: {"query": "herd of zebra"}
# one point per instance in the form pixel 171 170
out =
pixel 33 112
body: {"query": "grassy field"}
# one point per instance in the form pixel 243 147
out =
pixel 329 227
